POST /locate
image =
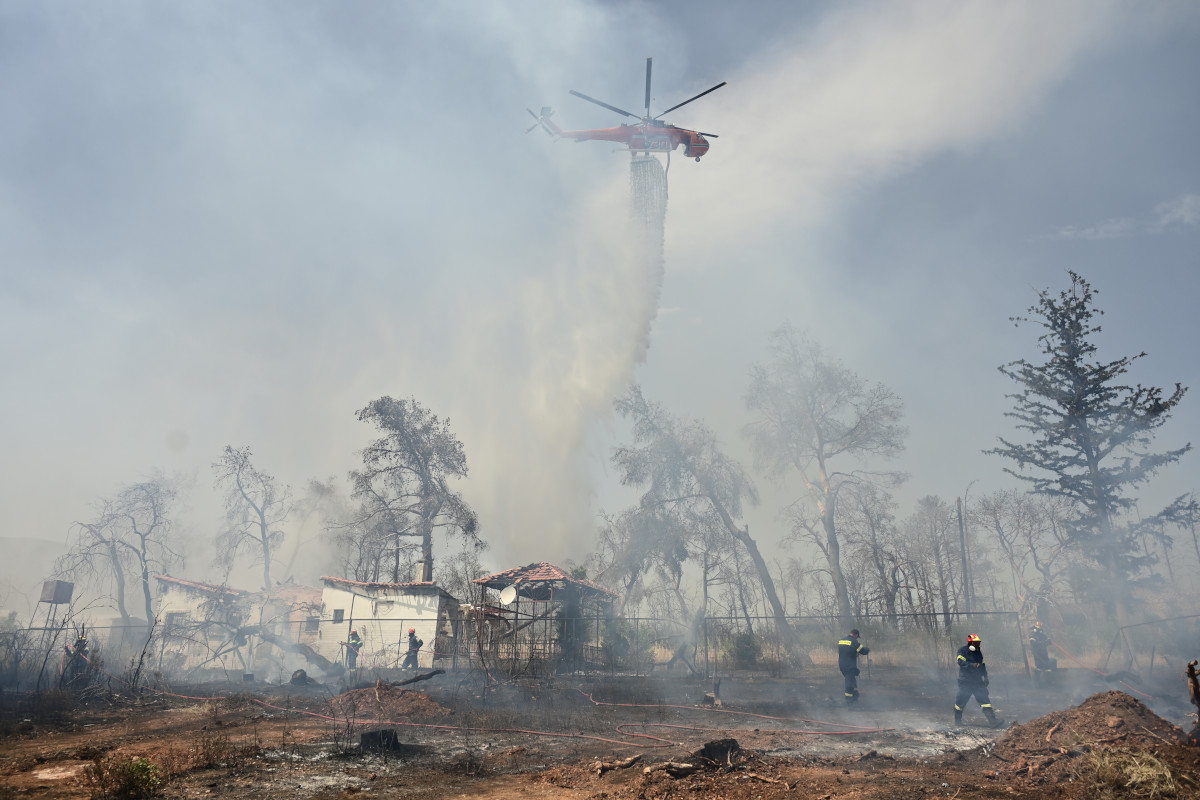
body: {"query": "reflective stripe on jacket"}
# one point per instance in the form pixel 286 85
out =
pixel 848 652
pixel 970 665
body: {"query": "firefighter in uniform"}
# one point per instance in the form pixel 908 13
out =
pixel 849 649
pixel 973 680
pixel 77 660
pixel 353 645
pixel 1043 664
pixel 414 647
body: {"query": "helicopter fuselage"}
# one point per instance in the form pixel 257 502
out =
pixel 642 137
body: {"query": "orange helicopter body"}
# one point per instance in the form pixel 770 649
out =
pixel 648 135
pixel 643 138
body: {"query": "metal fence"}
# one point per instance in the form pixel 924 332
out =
pixel 1153 650
pixel 725 645
pixel 711 647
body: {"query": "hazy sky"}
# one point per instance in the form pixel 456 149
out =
pixel 238 223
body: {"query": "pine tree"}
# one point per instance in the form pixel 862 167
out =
pixel 1090 436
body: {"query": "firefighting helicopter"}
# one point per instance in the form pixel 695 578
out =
pixel 648 135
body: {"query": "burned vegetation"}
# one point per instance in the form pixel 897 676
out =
pixel 444 734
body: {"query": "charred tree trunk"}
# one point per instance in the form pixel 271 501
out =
pixel 264 531
pixel 833 553
pixel 119 576
pixel 764 574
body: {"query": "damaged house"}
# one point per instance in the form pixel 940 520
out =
pixel 221 632
pixel 540 618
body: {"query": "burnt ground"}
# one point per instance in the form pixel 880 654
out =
pixel 456 736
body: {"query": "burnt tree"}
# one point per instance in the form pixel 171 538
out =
pixel 132 536
pixel 403 489
pixel 817 419
pixel 683 471
pixel 255 506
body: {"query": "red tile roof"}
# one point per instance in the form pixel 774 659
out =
pixel 376 589
pixel 298 595
pixel 379 585
pixel 202 587
pixel 541 572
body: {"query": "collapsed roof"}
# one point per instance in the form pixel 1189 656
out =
pixel 539 582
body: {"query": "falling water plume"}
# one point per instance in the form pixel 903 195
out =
pixel 648 211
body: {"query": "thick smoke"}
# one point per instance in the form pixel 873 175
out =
pixel 580 331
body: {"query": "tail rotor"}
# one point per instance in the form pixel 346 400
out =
pixel 543 120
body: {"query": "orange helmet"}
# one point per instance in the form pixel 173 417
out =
pixel 1037 624
pixel 973 639
pixel 412 630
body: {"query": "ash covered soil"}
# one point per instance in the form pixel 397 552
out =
pixel 572 737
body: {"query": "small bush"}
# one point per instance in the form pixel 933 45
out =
pixel 746 650
pixel 116 778
pixel 1125 773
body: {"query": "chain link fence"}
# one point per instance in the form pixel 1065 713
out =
pixel 715 646
pixel 709 647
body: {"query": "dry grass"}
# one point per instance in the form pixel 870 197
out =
pixel 1126 773
pixel 208 750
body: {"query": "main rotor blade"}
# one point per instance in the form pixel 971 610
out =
pixel 697 97
pixel 606 105
pixel 709 135
pixel 648 62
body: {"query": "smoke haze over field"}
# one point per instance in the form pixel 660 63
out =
pixel 238 223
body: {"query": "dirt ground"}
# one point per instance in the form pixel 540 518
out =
pixel 457 735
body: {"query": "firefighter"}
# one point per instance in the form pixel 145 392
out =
pixel 973 680
pixel 81 646
pixel 1043 664
pixel 353 645
pixel 414 647
pixel 849 649
pixel 76 660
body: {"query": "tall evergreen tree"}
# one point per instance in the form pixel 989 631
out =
pixel 1091 435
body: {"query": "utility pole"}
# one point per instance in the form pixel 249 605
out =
pixel 962 542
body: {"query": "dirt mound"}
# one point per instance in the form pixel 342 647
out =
pixel 385 702
pixel 1110 737
pixel 1106 718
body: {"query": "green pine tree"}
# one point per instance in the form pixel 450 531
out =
pixel 1090 438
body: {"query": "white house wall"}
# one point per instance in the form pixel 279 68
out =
pixel 382 622
pixel 192 649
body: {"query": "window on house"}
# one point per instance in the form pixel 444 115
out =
pixel 339 614
pixel 176 619
pixel 312 624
